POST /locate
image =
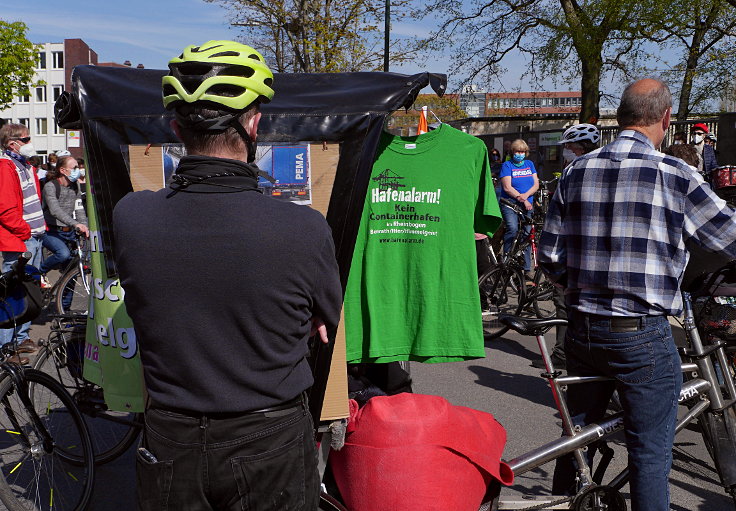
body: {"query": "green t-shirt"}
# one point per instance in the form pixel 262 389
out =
pixel 412 291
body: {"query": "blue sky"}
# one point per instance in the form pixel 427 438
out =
pixel 145 32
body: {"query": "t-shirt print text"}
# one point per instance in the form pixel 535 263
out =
pixel 527 171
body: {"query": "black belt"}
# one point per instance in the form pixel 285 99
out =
pixel 62 229
pixel 271 411
pixel 618 324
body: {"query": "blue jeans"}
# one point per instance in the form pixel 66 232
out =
pixel 33 245
pixel 646 369
pixel 511 227
pixel 56 242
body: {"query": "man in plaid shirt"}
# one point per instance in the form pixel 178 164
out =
pixel 614 238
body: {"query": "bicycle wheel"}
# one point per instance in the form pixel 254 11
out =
pixel 541 295
pixel 112 433
pixel 71 295
pixel 38 475
pixel 719 436
pixel 502 291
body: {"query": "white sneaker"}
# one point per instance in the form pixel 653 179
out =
pixel 45 284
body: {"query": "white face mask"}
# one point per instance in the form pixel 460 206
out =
pixel 27 150
pixel 678 142
pixel 81 171
pixel 568 155
pixel 698 139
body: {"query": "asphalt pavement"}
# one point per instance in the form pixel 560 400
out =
pixel 505 385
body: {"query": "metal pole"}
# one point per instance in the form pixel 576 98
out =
pixel 387 28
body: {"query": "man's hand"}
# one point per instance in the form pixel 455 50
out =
pixel 82 229
pixel 318 326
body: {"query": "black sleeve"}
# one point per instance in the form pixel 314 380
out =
pixel 326 288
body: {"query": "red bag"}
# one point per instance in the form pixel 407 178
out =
pixel 723 177
pixel 413 451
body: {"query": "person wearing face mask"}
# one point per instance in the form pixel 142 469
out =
pixel 22 226
pixel 706 153
pixel 63 211
pixel 519 181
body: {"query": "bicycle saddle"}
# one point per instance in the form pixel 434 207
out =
pixel 530 326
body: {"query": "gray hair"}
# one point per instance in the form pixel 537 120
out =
pixel 643 108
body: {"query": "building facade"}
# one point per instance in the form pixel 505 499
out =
pixel 54 64
pixel 531 104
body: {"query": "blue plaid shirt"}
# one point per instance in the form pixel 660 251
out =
pixel 616 229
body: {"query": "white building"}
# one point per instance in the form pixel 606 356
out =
pixel 54 65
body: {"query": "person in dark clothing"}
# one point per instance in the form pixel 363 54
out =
pixel 706 153
pixel 224 286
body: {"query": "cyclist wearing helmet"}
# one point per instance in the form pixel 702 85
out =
pixel 578 140
pixel 223 285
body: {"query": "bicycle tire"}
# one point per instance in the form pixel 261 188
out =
pixel 719 436
pixel 49 481
pixel 502 291
pixel 72 280
pixel 112 433
pixel 542 295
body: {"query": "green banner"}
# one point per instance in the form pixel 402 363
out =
pixel 111 357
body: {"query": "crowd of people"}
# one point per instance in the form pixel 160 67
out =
pixel 39 208
pixel 227 416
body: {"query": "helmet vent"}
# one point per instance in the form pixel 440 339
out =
pixel 168 90
pixel 226 90
pixel 226 54
pixel 254 56
pixel 268 81
pixel 244 71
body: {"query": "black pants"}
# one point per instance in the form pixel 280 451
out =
pixel 255 462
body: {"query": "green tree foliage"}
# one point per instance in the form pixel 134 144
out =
pixel 702 35
pixel 17 61
pixel 312 36
pixel 579 41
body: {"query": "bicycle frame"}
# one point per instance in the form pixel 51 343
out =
pixel 703 384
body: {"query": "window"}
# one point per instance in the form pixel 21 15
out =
pixel 41 60
pixel 57 129
pixel 41 94
pixel 24 121
pixel 42 127
pixel 57 90
pixel 24 99
pixel 58 57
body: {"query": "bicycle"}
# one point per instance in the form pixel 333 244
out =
pixel 503 288
pixel 61 356
pixel 708 398
pixel 46 460
pixel 69 294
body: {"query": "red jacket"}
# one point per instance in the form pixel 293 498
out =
pixel 13 229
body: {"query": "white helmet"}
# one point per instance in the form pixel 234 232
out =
pixel 63 152
pixel 580 132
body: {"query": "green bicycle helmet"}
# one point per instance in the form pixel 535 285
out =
pixel 227 75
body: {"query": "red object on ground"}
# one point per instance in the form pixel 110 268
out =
pixel 413 451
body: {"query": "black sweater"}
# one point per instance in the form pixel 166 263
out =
pixel 221 283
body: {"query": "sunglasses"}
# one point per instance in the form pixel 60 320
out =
pixel 25 140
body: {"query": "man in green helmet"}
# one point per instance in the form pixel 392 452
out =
pixel 224 286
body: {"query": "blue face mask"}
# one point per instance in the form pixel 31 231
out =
pixel 73 175
pixel 519 157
